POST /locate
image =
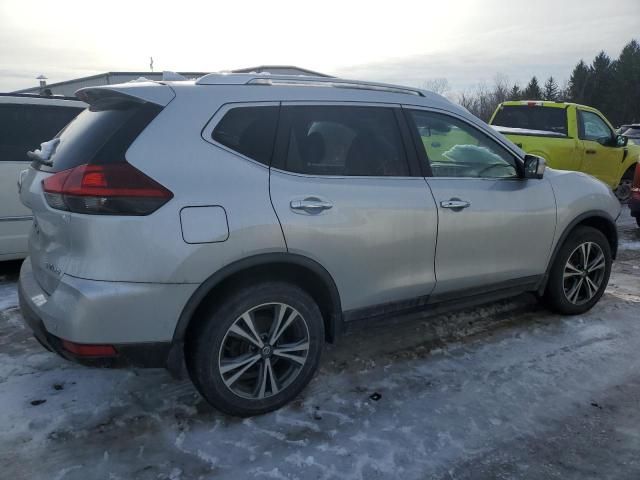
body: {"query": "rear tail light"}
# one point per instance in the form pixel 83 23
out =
pixel 635 187
pixel 110 189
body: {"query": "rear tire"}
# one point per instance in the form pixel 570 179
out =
pixel 580 272
pixel 258 349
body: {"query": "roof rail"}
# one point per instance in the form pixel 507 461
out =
pixel 300 80
pixel 37 95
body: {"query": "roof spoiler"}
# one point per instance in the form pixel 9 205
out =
pixel 151 92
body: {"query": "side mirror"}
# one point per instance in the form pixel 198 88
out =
pixel 534 166
pixel 621 141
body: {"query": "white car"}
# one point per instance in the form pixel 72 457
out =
pixel 25 122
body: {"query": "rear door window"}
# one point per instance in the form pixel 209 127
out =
pixel 548 119
pixel 23 127
pixel 249 130
pixel 342 141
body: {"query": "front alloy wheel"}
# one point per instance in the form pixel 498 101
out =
pixel 583 273
pixel 623 190
pixel 579 273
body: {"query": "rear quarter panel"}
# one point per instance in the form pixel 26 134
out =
pixel 152 248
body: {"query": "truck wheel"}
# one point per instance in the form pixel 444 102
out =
pixel 258 349
pixel 623 190
pixel 580 272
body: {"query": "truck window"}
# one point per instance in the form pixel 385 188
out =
pixel 592 127
pixel 549 119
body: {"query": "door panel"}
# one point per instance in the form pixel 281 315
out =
pixel 15 218
pixel 377 240
pixel 504 234
pixel 601 161
pixel 341 187
pixel 493 226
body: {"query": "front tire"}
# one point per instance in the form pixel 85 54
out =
pixel 623 190
pixel 580 272
pixel 258 349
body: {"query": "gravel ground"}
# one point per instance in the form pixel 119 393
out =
pixel 505 391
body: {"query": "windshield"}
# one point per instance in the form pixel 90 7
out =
pixel 550 119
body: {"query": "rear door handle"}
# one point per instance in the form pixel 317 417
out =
pixel 590 152
pixel 310 205
pixel 455 204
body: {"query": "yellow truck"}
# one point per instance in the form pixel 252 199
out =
pixel 570 137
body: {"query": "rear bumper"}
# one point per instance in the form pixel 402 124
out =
pixel 91 312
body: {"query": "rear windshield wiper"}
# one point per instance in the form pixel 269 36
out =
pixel 43 154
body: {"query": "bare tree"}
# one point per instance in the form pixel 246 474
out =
pixel 436 85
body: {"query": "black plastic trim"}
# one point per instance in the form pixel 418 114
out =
pixel 427 303
pixel 257 260
pixel 144 355
pixel 446 304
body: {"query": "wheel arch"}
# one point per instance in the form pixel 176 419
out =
pixel 598 219
pixel 299 269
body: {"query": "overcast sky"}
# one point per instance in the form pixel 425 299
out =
pixel 404 42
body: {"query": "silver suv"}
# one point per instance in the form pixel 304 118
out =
pixel 233 224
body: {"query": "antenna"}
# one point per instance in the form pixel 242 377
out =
pixel 151 63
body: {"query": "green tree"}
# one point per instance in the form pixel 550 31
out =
pixel 601 88
pixel 551 90
pixel 532 91
pixel 626 85
pixel 579 81
pixel 515 93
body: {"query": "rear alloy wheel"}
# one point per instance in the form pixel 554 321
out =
pixel 264 351
pixel 258 349
pixel 580 272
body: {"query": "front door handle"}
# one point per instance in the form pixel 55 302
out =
pixel 590 152
pixel 455 204
pixel 310 205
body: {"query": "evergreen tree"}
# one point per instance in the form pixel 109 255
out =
pixel 515 93
pixel 626 85
pixel 551 90
pixel 579 81
pixel 602 94
pixel 532 91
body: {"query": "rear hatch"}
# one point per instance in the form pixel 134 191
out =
pixel 97 138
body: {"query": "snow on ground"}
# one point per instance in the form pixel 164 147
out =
pixel 504 391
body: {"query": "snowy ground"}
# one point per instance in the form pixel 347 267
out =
pixel 505 391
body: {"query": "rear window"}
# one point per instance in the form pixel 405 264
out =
pixel 24 127
pixel 550 119
pixel 101 134
pixel 250 131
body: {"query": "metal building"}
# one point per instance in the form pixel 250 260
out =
pixel 69 87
